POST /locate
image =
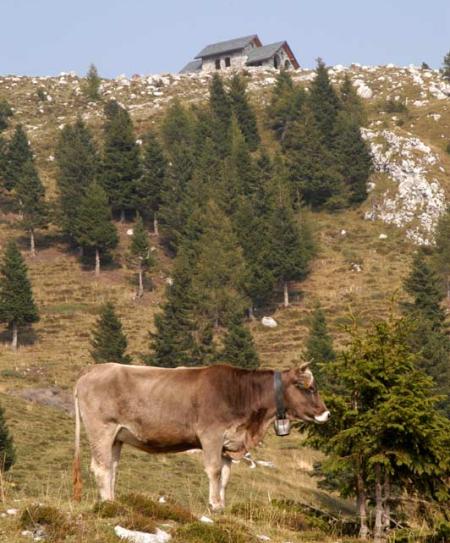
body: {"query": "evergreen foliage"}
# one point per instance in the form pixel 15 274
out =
pixel 351 103
pixel 150 185
pixel 441 253
pixel 30 194
pixel 6 113
pixel 18 154
pixel 243 111
pixel 285 104
pixel 446 66
pixel 319 345
pixel 93 83
pixel 94 229
pixel 78 166
pixel 17 307
pixel 109 343
pixel 140 251
pixel 386 435
pixel 325 103
pixel 220 105
pixel 238 346
pixel 121 159
pixel 7 449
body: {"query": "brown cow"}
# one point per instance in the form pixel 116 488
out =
pixel 221 409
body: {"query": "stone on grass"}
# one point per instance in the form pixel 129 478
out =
pixel 269 322
pixel 142 537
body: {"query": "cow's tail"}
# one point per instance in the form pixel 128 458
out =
pixel 76 468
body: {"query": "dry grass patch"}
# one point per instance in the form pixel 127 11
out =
pixel 144 505
pixel 222 532
pixel 50 520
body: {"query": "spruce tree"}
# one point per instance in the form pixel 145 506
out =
pixel 30 193
pixel 441 253
pixel 238 346
pixel 220 106
pixel 149 186
pixel 93 83
pixel 319 345
pixel 109 343
pixel 325 103
pixel 243 111
pixel 353 157
pixel 18 154
pixel 351 102
pixel 291 246
pixel 6 113
pixel 219 273
pixel 140 252
pixel 285 104
pixel 17 307
pixel 311 167
pixel 94 229
pixel 7 450
pixel 121 160
pixel 446 67
pixel 78 166
pixel 3 151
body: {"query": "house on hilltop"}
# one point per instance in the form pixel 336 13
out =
pixel 241 52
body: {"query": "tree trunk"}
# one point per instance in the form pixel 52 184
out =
pixel 122 215
pixel 361 500
pixel 386 502
pixel 448 287
pixel 97 262
pixel 14 336
pixel 32 244
pixel 81 251
pixel 155 225
pixel 286 294
pixel 378 528
pixel 141 282
pixel 251 313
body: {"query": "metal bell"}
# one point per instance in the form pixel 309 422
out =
pixel 282 427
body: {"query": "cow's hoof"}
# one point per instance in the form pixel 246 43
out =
pixel 216 508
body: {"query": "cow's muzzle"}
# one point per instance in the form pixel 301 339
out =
pixel 323 417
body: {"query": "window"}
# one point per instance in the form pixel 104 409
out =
pixel 287 64
pixel 217 63
pixel 276 61
pixel 227 62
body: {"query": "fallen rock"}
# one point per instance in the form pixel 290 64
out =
pixel 142 537
pixel 52 396
pixel 269 322
pixel 206 520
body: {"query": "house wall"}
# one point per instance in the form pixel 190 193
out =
pixel 269 63
pixel 237 60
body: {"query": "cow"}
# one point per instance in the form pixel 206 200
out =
pixel 221 409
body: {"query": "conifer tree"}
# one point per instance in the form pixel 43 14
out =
pixel 109 343
pixel 324 103
pixel 172 343
pixel 94 229
pixel 351 102
pixel 78 166
pixel 6 113
pixel 7 450
pixel 3 163
pixel 121 160
pixel 441 253
pixel 17 307
pixel 319 345
pixel 353 157
pixel 285 105
pixel 446 67
pixel 291 245
pixel 140 252
pixel 149 186
pixel 313 173
pixel 18 154
pixel 220 106
pixel 219 273
pixel 243 111
pixel 31 197
pixel 93 83
pixel 238 346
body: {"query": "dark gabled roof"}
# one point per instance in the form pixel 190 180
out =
pixel 227 46
pixel 193 66
pixel 263 53
pixel 259 54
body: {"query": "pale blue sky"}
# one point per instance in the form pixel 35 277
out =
pixel 45 37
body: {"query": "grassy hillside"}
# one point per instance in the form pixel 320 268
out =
pixel 360 267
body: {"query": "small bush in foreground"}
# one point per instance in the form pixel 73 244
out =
pixel 162 511
pixel 53 522
pixel 225 532
pixel 108 509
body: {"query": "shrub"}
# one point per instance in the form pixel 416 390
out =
pixel 221 532
pixel 395 106
pixel 137 521
pixel 163 511
pixel 448 148
pixel 108 509
pixel 54 523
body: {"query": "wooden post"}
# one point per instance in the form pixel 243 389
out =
pixel 155 225
pixel 97 262
pixel 141 282
pixel 286 294
pixel 32 244
pixel 14 336
pixel 378 528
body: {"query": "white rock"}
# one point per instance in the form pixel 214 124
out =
pixel 382 236
pixel 265 463
pixel 364 91
pixel 206 520
pixel 263 537
pixel 269 322
pixel 343 232
pixel 169 281
pixel 130 232
pixel 162 499
pixel 142 537
pixel 12 512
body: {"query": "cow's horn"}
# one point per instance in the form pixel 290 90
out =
pixel 305 365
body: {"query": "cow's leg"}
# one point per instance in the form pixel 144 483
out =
pixel 224 478
pixel 212 452
pixel 102 473
pixel 103 460
pixel 116 448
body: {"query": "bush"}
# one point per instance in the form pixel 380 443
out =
pixel 55 525
pixel 108 509
pixel 395 106
pixel 221 532
pixel 448 148
pixel 162 511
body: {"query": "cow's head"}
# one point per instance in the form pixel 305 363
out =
pixel 302 397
